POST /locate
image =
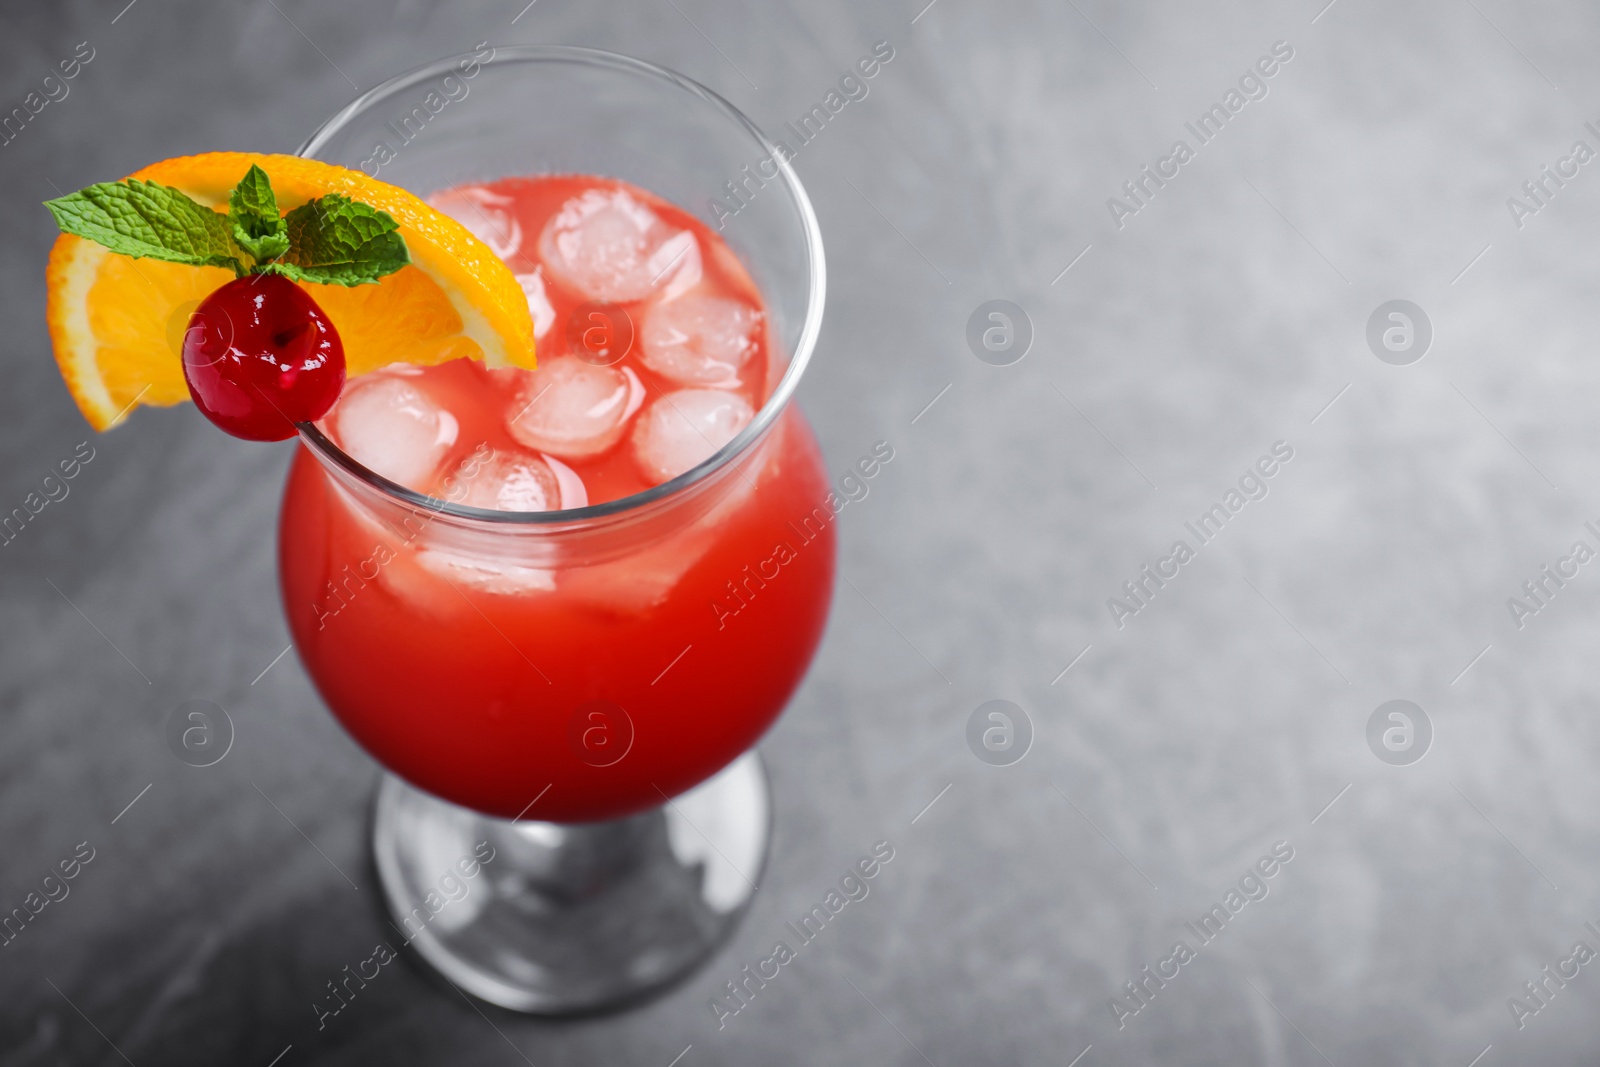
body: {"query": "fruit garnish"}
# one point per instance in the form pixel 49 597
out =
pixel 119 324
pixel 260 356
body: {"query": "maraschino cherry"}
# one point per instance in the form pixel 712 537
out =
pixel 260 355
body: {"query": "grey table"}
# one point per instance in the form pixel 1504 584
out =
pixel 1176 340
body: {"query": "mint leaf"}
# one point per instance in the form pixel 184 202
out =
pixel 253 213
pixel 334 240
pixel 147 220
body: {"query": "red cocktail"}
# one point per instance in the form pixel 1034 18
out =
pixel 561 605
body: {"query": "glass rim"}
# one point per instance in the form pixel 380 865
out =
pixel 323 446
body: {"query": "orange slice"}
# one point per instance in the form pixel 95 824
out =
pixel 118 323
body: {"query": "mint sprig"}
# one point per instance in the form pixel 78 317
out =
pixel 332 240
pixel 253 211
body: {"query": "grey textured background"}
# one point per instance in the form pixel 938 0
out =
pixel 1226 716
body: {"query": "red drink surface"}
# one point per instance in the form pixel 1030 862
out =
pixel 598 671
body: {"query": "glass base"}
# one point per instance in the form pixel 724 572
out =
pixel 551 918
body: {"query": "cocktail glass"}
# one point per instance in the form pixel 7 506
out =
pixel 566 702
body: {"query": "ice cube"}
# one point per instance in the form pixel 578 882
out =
pixel 484 574
pixel 678 261
pixel 641 580
pixel 486 214
pixel 699 339
pixel 510 481
pixel 610 247
pixel 574 494
pixel 644 579
pixel 392 428
pixel 680 430
pixel 573 409
pixel 544 315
